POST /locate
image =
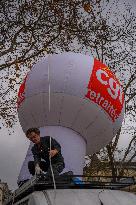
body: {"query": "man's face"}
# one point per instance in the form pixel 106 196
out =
pixel 35 138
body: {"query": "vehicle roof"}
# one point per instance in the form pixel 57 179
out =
pixel 81 197
pixel 72 187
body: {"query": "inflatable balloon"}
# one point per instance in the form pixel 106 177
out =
pixel 74 98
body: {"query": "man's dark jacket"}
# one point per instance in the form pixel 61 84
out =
pixel 43 151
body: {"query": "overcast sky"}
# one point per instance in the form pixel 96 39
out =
pixel 13 148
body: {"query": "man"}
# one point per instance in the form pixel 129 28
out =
pixel 45 148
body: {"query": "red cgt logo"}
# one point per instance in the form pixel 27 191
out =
pixel 21 93
pixel 105 90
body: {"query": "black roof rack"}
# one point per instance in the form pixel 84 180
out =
pixel 41 182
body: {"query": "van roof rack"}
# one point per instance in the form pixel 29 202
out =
pixel 64 181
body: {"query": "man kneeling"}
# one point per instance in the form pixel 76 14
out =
pixel 45 148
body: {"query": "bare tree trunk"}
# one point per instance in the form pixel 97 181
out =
pixel 112 162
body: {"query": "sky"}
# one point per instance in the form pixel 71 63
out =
pixel 13 147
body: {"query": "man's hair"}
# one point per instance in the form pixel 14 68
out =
pixel 36 130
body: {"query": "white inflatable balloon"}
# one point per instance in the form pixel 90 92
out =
pixel 72 92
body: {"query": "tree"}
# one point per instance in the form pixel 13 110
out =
pixel 115 46
pixel 31 29
pixel 113 42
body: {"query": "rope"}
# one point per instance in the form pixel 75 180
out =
pixel 54 183
pixel 49 89
pixel 50 137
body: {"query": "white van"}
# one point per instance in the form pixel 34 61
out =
pixel 41 193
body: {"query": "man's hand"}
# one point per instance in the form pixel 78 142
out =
pixel 53 152
pixel 38 169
